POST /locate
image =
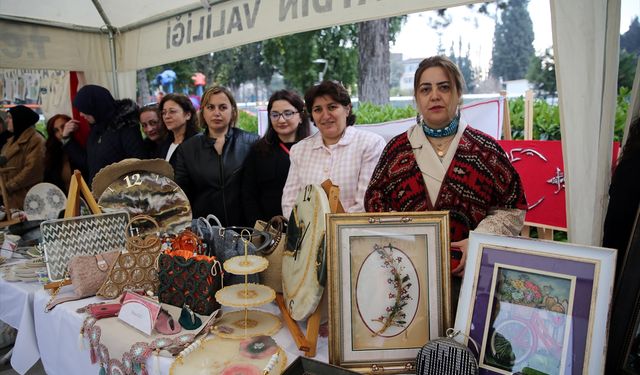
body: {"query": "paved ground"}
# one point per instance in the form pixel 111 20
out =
pixel 5 369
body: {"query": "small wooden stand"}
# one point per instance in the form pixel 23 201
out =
pixel 308 344
pixel 77 187
pixel 8 219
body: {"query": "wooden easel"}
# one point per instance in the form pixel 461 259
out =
pixel 308 344
pixel 8 219
pixel 77 187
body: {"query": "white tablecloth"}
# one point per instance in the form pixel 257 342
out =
pixel 16 309
pixel 58 331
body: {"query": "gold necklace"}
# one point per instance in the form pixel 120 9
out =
pixel 441 148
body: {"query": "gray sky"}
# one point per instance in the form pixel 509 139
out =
pixel 417 39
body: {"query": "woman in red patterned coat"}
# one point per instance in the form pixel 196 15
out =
pixel 442 163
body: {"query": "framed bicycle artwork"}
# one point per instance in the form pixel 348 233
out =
pixel 388 287
pixel 536 307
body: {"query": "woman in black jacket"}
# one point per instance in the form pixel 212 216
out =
pixel 179 116
pixel 208 167
pixel 267 165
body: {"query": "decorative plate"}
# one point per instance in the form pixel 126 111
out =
pixel 44 201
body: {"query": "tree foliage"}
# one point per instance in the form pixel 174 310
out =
pixel 512 42
pixel 542 74
pixel 464 63
pixel 630 40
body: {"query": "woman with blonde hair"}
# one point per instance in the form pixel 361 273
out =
pixel 208 166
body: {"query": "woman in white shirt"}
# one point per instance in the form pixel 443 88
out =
pixel 338 151
pixel 179 116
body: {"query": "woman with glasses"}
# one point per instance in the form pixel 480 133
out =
pixel 267 165
pixel 154 130
pixel 208 166
pixel 339 151
pixel 179 116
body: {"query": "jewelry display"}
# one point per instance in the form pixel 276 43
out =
pixel 133 359
pixel 246 323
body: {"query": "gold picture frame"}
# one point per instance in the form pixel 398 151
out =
pixel 389 288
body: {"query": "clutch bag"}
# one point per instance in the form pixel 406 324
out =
pixel 63 239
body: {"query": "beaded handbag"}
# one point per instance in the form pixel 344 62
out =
pixel 446 356
pixel 188 276
pixel 136 268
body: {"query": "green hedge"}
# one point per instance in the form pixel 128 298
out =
pixel 546 121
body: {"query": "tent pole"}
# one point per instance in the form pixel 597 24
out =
pixel 112 46
pixel 114 70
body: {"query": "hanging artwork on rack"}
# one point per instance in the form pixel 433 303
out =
pixel 536 306
pixel 388 287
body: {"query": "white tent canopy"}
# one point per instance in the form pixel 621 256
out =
pixel 124 35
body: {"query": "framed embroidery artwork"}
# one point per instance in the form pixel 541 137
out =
pixel 536 307
pixel 388 287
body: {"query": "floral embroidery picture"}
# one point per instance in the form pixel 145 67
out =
pixel 388 288
pixel 400 307
pixel 387 293
pixel 528 326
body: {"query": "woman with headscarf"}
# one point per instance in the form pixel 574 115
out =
pixel 115 132
pixel 24 152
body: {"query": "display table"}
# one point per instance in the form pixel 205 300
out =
pixel 58 330
pixel 16 309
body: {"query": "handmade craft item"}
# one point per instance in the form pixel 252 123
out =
pixel 224 243
pixel 62 239
pixel 276 227
pixel 144 187
pixel 303 262
pixel 187 275
pixel 136 268
pixel 256 355
pixel 446 356
pixel 44 201
pixel 246 323
pixel 103 334
pixel 87 274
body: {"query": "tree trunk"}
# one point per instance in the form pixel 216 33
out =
pixel 374 63
pixel 143 86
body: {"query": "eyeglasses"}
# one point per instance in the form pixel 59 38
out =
pixel 287 115
pixel 170 112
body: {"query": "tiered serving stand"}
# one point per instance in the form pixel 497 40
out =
pixel 246 323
